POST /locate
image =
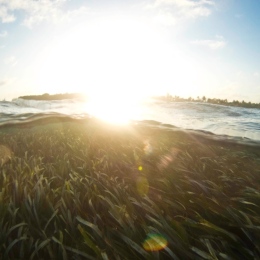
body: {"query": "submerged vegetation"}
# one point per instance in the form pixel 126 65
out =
pixel 86 190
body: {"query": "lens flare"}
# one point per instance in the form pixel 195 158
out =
pixel 147 148
pixel 155 242
pixel 142 186
pixel 5 154
pixel 168 159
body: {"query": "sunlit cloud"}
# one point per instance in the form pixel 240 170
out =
pixel 173 10
pixel 166 18
pixel 5 16
pixel 215 44
pixel 76 13
pixel 37 12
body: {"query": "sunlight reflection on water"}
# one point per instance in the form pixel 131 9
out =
pixel 115 111
pixel 217 119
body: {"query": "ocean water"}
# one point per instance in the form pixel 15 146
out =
pixel 225 121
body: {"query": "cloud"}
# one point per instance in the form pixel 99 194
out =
pixel 77 12
pixel 256 74
pixel 3 34
pixel 12 61
pixel 5 16
pixel 36 12
pixel 214 44
pixel 166 18
pixel 182 9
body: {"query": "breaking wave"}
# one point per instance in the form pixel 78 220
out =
pixel 216 119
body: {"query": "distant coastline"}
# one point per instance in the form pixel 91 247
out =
pixel 47 96
pixel 216 101
pixel 167 98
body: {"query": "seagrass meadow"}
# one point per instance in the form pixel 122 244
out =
pixel 83 189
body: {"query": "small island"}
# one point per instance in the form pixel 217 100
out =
pixel 47 96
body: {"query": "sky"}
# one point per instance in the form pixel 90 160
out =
pixel 131 48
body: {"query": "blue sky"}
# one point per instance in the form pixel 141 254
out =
pixel 131 48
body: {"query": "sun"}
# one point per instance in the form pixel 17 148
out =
pixel 115 61
pixel 113 110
